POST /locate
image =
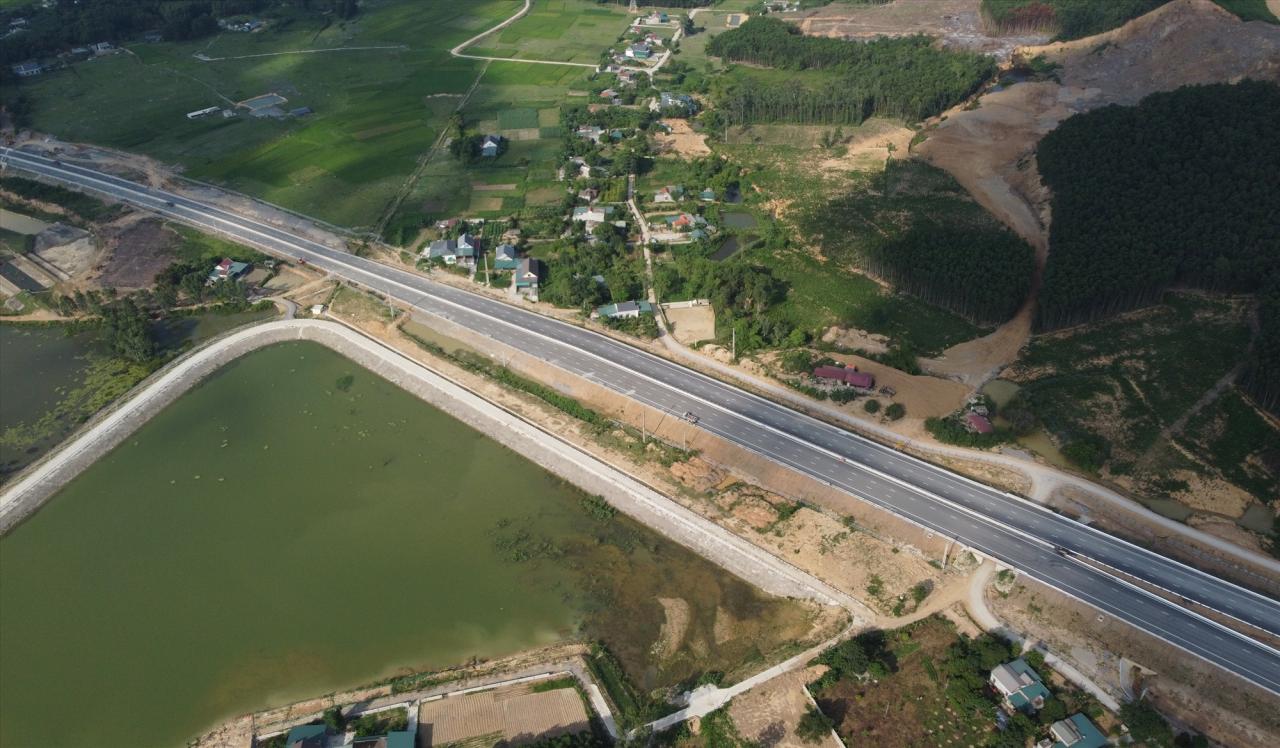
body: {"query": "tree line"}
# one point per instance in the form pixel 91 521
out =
pixel 1180 190
pixel 950 253
pixel 1261 377
pixel 1069 19
pixel 901 77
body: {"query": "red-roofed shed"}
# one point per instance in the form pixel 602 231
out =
pixel 859 379
pixel 829 372
pixel 978 423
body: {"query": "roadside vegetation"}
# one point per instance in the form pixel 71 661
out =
pixel 841 82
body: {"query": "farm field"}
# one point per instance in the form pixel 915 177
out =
pixel 561 30
pixel 374 111
pixel 522 103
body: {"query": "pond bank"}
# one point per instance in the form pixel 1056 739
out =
pixel 30 490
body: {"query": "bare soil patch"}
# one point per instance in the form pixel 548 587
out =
pixel 769 713
pixel 477 187
pixel 682 141
pixel 516 715
pixel 958 23
pixel 139 250
pixel 692 324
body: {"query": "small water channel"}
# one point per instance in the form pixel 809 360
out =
pixel 296 525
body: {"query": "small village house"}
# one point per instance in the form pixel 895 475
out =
pixel 624 310
pixel 707 195
pixel 1076 731
pixel 27 69
pixel 527 276
pixel 640 51
pixel 506 257
pixel 847 375
pixel 669 194
pixel 977 423
pixel 490 146
pixel 228 269
pixel 592 215
pixel 1019 686
pixel 461 251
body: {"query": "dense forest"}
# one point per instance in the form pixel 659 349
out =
pixel 1178 190
pixel 54 27
pixel 900 77
pixel 1068 19
pixel 916 228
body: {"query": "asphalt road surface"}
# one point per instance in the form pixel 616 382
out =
pixel 1019 533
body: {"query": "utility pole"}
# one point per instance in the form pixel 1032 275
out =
pixel 486 269
pixel 735 342
pixel 644 439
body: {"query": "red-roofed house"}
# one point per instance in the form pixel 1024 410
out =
pixel 847 375
pixel 978 424
pixel 859 379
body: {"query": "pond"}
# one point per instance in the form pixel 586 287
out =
pixel 738 220
pixel 51 381
pixel 732 246
pixel 39 364
pixel 295 525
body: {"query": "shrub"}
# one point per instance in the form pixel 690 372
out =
pixel 814 726
pixel 895 411
pixel 871 406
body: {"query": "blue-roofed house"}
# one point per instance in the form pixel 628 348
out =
pixel 1076 731
pixel 668 100
pixel 305 736
pixel 394 739
pixel 709 195
pixel 505 257
pixel 490 146
pixel 442 249
pixel 639 51
pixel 1019 685
pixel 625 309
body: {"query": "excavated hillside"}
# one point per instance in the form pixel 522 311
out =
pixel 991 149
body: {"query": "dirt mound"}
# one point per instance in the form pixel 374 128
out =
pixel 958 23
pixel 991 149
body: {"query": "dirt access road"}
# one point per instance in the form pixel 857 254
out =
pixel 991 149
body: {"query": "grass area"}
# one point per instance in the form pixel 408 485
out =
pixel 560 30
pixel 375 111
pixel 513 99
pixel 1105 391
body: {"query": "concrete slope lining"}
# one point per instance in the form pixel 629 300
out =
pixel 1177 578
pixel 378 278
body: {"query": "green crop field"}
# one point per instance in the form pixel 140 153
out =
pixel 375 111
pixel 512 119
pixel 561 30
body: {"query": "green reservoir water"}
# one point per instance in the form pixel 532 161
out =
pixel 38 365
pixel 296 525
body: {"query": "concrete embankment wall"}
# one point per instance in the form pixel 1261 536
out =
pixel 30 490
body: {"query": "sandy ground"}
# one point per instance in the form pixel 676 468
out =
pixel 957 22
pixel 682 141
pixel 870 146
pixel 1190 690
pixel 990 150
pixel 692 324
pixel 514 714
pixel 768 714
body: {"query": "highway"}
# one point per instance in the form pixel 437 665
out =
pixel 1044 545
